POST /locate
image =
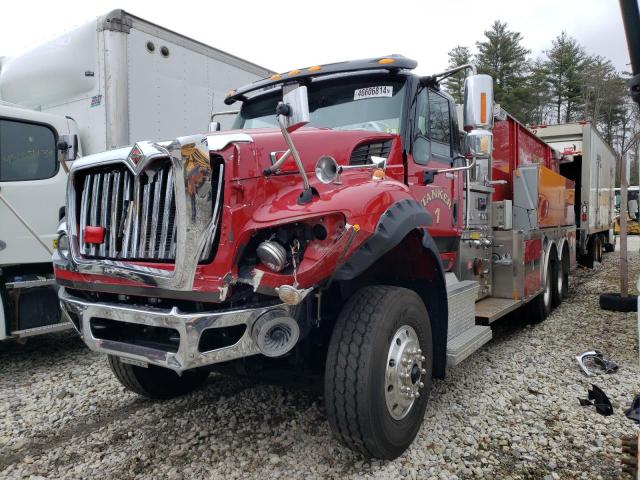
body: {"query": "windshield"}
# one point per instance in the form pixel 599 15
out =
pixel 354 103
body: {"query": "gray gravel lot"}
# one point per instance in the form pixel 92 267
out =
pixel 509 411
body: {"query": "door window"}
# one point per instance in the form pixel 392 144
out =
pixel 27 151
pixel 439 125
pixel 420 149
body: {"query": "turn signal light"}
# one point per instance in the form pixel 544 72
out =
pixel 385 61
pixel 378 174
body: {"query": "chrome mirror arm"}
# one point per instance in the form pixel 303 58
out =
pixel 293 151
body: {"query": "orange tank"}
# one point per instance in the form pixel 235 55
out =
pixel 556 198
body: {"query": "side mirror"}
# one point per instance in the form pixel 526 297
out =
pixel 294 106
pixel 68 147
pixel 214 126
pixel 479 143
pixel 478 102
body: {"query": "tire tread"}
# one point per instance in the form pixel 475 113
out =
pixel 347 362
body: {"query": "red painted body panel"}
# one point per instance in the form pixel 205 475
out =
pixel 513 146
pixel 532 250
pixel 253 202
pixel 532 253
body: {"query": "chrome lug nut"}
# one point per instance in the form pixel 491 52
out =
pixel 421 385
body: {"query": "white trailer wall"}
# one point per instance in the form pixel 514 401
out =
pixel 602 185
pixel 117 89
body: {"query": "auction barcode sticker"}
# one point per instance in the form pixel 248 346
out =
pixel 373 92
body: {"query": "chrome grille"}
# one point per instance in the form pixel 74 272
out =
pixel 138 213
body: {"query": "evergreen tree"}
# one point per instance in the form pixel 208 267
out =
pixel 503 56
pixel 537 82
pixel 455 84
pixel 565 63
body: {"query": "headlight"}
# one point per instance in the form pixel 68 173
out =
pixel 63 245
pixel 273 255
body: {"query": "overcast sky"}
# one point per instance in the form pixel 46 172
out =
pixel 289 34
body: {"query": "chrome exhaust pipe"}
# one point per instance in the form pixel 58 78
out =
pixel 275 332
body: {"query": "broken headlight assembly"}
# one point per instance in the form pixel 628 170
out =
pixel 282 248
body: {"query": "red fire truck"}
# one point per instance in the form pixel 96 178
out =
pixel 345 228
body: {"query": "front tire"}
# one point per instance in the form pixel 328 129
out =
pixel 156 382
pixel 379 371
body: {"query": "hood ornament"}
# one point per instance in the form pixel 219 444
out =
pixel 136 155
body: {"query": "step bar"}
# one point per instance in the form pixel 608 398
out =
pixel 463 337
pixel 32 332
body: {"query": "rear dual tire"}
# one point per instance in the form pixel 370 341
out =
pixel 560 273
pixel 539 308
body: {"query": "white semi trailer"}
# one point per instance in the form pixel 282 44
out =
pixel 591 163
pixel 94 88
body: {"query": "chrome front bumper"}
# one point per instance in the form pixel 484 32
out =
pixel 190 326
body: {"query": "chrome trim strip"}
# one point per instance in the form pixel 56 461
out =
pixel 113 226
pixel 104 208
pixel 94 207
pixel 219 141
pixel 168 198
pixel 172 245
pixel 86 186
pixel 135 240
pixel 189 325
pixel 146 193
pixel 127 206
pixel 157 188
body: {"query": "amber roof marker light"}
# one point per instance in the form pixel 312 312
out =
pixel 390 63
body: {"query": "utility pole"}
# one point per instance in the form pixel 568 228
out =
pixel 624 268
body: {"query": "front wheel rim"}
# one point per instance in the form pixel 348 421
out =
pixel 404 372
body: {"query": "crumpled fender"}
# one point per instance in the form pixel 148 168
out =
pixel 394 224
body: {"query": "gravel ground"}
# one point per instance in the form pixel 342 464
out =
pixel 510 411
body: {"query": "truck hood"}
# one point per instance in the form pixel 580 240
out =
pixel 261 147
pixel 250 152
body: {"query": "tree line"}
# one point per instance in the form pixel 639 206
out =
pixel 565 84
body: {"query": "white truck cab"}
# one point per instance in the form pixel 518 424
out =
pixel 31 182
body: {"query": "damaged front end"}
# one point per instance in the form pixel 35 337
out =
pixel 145 225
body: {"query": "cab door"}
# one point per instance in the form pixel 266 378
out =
pixel 435 140
pixel 34 184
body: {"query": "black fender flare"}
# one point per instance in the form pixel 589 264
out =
pixel 394 225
